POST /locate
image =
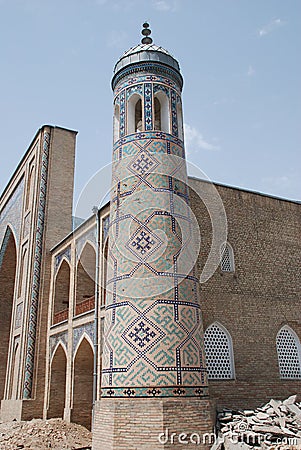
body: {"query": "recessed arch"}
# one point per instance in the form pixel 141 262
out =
pixel 289 353
pixel 162 112
pixel 61 292
pixel 57 387
pixel 219 352
pixel 85 279
pixel 8 264
pixel 83 384
pixel 30 186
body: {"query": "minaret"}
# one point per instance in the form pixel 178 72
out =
pixel 153 374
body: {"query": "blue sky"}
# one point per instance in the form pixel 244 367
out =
pixel 239 59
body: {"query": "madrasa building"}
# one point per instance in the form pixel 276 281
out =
pixel 174 300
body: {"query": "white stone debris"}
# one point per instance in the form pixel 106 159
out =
pixel 276 425
pixel 38 434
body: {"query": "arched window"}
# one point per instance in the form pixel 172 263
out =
pixel 116 124
pixel 289 353
pixel 227 258
pixel 218 352
pixel 180 121
pixel 162 112
pixel 61 293
pixel 134 115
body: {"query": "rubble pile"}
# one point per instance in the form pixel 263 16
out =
pixel 276 424
pixel 38 434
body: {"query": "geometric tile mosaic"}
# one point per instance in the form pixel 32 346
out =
pixel 153 328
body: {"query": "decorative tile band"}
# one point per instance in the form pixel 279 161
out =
pixel 148 108
pixel 130 80
pixel 38 253
pixel 150 68
pixel 148 135
pixel 155 391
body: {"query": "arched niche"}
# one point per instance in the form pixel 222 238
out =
pixel 83 384
pixel 85 280
pixel 134 114
pixel 162 112
pixel 8 263
pixel 57 387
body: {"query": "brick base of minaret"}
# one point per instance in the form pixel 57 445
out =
pixel 152 424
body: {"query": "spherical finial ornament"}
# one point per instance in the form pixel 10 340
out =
pixel 146 33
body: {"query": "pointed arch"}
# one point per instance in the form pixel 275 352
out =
pixel 61 292
pixel 134 113
pixel 8 265
pixel 13 389
pixel 83 383
pixel 219 352
pixel 57 387
pixel 162 112
pixel 88 339
pixel 53 352
pixel 227 258
pixel 289 353
pixel 85 279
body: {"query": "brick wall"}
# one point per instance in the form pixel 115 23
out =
pixel 261 296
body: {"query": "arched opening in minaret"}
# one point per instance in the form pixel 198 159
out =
pixel 57 389
pixel 8 262
pixel 157 105
pixel 180 121
pixel 116 124
pixel 83 385
pixel 85 280
pixel 162 112
pixel 134 116
pixel 61 293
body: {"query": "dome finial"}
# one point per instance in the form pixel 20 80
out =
pixel 146 33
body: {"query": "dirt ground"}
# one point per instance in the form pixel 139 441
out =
pixel 37 434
